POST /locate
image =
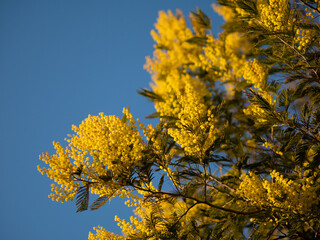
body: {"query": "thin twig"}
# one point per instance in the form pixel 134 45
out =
pixel 310 6
pixel 198 201
pixel 272 231
pixel 183 214
pixel 223 184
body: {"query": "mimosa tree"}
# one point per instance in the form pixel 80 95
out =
pixel 236 151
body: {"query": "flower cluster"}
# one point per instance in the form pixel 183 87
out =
pixel 275 15
pixel 194 130
pixel 255 73
pixel 110 141
pixel 252 188
pixel 280 193
pixel 224 54
pixel 102 234
pixel 172 49
pixel 304 36
pixel 152 219
pixel 60 169
pixel 226 12
pixel 182 94
pixel 205 125
pixel 103 148
pixel 173 87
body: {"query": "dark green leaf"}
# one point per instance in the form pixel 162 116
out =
pixel 301 153
pixel 82 198
pixel 201 20
pixel 201 41
pixel 150 95
pixel 99 202
pixel 269 114
pixel 124 118
pixel 248 6
pixel 315 160
pixel 161 182
pixel 153 115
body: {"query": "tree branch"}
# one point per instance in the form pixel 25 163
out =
pixel 198 201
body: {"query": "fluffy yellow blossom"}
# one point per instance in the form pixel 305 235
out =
pixel 303 38
pixel 60 170
pixel 110 141
pixel 151 220
pixel 102 148
pixel 255 73
pixel 275 15
pixel 226 12
pixel 170 29
pixel 223 59
pixel 194 130
pixel 172 49
pixel 280 193
pixel 252 188
pixel 171 60
pixel 173 87
pixel 102 234
pixel 220 53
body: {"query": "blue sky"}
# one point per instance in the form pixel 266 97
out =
pixel 60 61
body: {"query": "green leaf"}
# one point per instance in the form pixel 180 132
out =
pixel 284 98
pixel 82 198
pixel 248 6
pixel 100 201
pixel 161 182
pixel 269 114
pixel 124 118
pixel 150 95
pixel 240 85
pixel 201 20
pixel 313 92
pixel 153 115
pixel 315 160
pixel 292 141
pixel 201 41
pixel 257 99
pixel 301 152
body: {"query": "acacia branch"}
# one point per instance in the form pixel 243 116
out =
pixel 223 184
pixel 298 54
pixel 272 231
pixel 197 201
pixel 184 214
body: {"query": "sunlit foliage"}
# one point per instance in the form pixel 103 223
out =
pixel 236 151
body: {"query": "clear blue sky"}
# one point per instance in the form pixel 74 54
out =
pixel 60 61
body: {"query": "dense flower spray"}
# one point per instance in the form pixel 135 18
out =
pixel 236 151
